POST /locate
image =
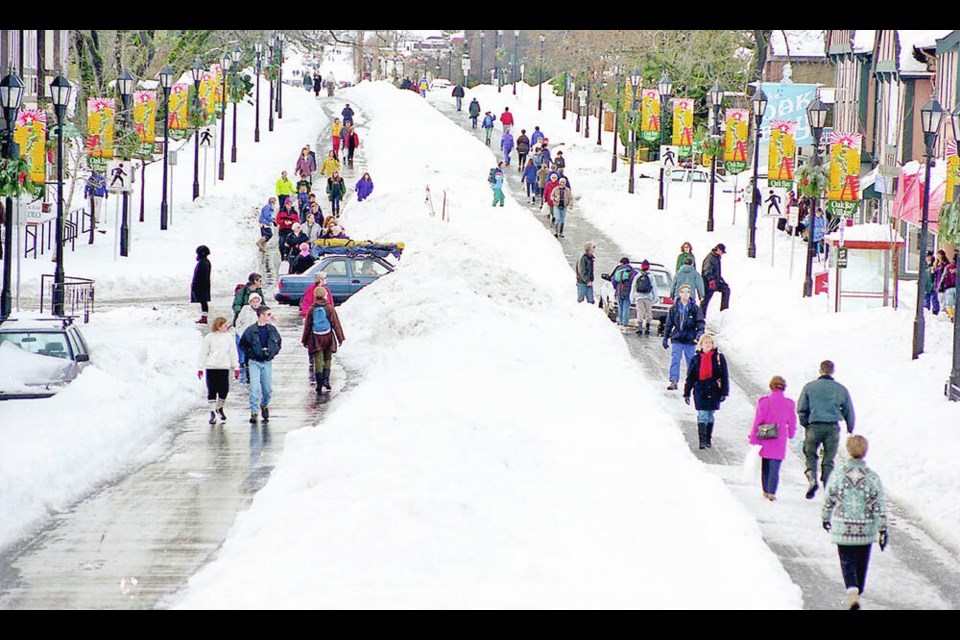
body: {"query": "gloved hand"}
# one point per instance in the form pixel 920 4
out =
pixel 236 374
pixel 723 398
pixel 826 525
pixel 199 374
pixel 883 540
pixel 712 284
pixel 666 344
pixel 686 399
pixel 850 431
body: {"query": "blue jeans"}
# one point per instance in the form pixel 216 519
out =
pixel 585 291
pixel 770 475
pixel 680 349
pixel 559 215
pixel 705 416
pixel 261 384
pixel 531 187
pixel 623 310
pixel 459 102
pixel 241 359
pixel 334 204
pixel 931 300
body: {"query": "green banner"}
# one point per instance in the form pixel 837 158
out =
pixel 650 136
pixel 179 134
pixel 97 164
pixel 735 166
pixel 146 150
pixel 842 207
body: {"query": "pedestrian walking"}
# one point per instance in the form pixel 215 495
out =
pixel 285 221
pixel 306 164
pixel 686 251
pixel 714 280
pixel 260 344
pixel 939 265
pixel 347 114
pixel 331 84
pixel 529 178
pixel 774 422
pixel 294 239
pixel 247 317
pixel 423 87
pixel 644 294
pixel 927 278
pixel 217 358
pixel 335 138
pixel 948 286
pixel 474 111
pixel 200 285
pixel 241 296
pixel 562 201
pixel 681 331
pixel 317 85
pixel 303 260
pixel 352 144
pixel 622 280
pixel 688 274
pixel 497 184
pixel 458 93
pixel 285 188
pixel 506 119
pixel 523 149
pixel 267 222
pixel 560 161
pixel 585 273
pixel 823 402
pixel 364 187
pixel 321 335
pixel 707 379
pixel 311 226
pixel 487 125
pixel 330 165
pixel 553 180
pixel 506 146
pixel 542 173
pixel 307 82
pixel 536 136
pixel 855 514
pixel 336 189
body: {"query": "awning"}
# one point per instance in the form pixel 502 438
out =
pixel 866 236
pixel 908 201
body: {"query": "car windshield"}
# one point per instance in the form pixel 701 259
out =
pixel 39 342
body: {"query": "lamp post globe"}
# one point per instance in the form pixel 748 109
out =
pixel 196 73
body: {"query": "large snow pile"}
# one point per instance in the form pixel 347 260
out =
pixel 22 371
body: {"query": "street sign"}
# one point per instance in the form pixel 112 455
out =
pixel 38 212
pixel 669 155
pixel 206 137
pixel 773 202
pixel 119 176
pixel 842 258
pixel 172 158
pixel 793 219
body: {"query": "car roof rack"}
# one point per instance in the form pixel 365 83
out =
pixel 65 321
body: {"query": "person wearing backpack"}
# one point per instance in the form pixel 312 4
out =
pixel 321 335
pixel 474 110
pixel 458 93
pixel 523 148
pixel 487 125
pixel 622 280
pixel 644 294
pixel 496 183
pixel 688 275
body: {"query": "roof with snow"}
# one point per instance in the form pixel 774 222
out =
pixel 865 236
pixel 909 39
pixel 801 43
pixel 863 40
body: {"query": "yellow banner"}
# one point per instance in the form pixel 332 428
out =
pixel 650 110
pixel 218 79
pixel 209 92
pixel 735 140
pixel 100 113
pixel 145 115
pixel 844 167
pixel 783 153
pixel 31 135
pixel 953 171
pixel 683 122
pixel 178 106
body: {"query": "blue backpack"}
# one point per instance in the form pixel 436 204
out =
pixel 321 324
pixel 621 282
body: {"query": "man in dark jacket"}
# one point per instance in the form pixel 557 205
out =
pixel 823 402
pixel 523 147
pixel 713 279
pixel 474 110
pixel 683 328
pixel 458 94
pixel 585 273
pixel 260 344
pixel 242 297
pixel 347 114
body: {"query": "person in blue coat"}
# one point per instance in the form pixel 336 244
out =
pixel 474 110
pixel 545 154
pixel 683 329
pixel 536 136
pixel 347 114
pixel 622 281
pixel 497 185
pixel 364 187
pixel 506 145
pixel 487 125
pixel 529 176
pixel 267 222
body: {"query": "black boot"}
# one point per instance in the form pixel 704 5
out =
pixel 709 434
pixel 812 479
pixel 561 229
pixel 647 330
pixel 325 379
pixel 702 434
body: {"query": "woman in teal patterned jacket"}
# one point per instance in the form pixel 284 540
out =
pixel 855 512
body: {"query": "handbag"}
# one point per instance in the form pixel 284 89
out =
pixel 768 431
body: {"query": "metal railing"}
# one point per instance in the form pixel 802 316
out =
pixel 36 244
pixel 78 295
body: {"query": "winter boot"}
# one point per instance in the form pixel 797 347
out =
pixel 325 379
pixel 812 479
pixel 561 229
pixel 647 330
pixel 672 386
pixel 253 418
pixel 202 320
pixel 261 242
pixel 213 415
pixel 853 598
pixel 265 412
pixel 951 312
pixel 709 439
pixel 702 434
pixel 223 416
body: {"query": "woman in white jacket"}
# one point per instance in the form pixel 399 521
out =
pixel 218 356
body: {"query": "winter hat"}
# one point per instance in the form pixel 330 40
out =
pixel 722 247
pixel 304 249
pixel 644 265
pixel 202 251
pixel 624 260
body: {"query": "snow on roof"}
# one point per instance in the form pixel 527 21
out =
pixel 909 39
pixel 871 232
pixel 802 43
pixel 863 40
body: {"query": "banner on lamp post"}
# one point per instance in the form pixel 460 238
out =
pixel 953 171
pixel 782 160
pixel 735 140
pixel 220 98
pixel 145 115
pixel 650 115
pixel 683 125
pixel 100 127
pixel 210 91
pixel 179 95
pixel 843 194
pixel 31 135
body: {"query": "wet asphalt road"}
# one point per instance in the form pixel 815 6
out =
pixel 136 541
pixel 917 571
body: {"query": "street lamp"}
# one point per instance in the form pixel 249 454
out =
pixel 582 98
pixel 953 384
pixel 226 62
pixel 816 118
pixel 236 60
pixel 759 104
pixel 281 38
pixel 11 97
pixel 516 58
pixel 930 116
pixel 60 93
pixel 196 72
pixel 125 82
pixel 634 107
pixel 566 90
pixel 540 76
pixel 482 35
pixel 600 103
pixel 618 69
pixel 465 67
pixel 258 47
pixel 716 98
pixel 272 43
pixel 665 86
pixel 166 82
pixel 496 58
pixel 586 108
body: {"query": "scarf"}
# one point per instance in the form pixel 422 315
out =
pixel 706 364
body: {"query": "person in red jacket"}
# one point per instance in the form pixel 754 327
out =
pixel 285 221
pixel 506 118
pixel 552 181
pixel 351 143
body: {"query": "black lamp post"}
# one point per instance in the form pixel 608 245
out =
pixel 953 384
pixel 759 104
pixel 540 76
pixel 600 85
pixel 516 58
pixel 586 109
pixel 166 81
pixel 618 69
pixel 566 90
pixel 258 47
pixel 634 114
pixel 272 44
pixel 233 70
pixel 816 118
pixel 196 72
pixel 125 82
pixel 496 57
pixel 930 116
pixel 60 93
pixel 482 36
pixel 665 86
pixel 11 97
pixel 225 63
pixel 281 38
pixel 716 98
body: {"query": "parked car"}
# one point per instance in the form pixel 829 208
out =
pixel 346 274
pixel 695 174
pixel 662 278
pixel 39 355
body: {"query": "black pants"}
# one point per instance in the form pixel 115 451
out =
pixel 204 308
pixel 854 560
pixel 523 159
pixel 282 236
pixel 350 155
pixel 218 383
pixel 724 296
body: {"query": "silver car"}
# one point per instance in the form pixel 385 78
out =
pixel 662 278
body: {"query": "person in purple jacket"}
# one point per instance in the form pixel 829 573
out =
pixel 364 187
pixel 774 408
pixel 506 145
pixel 529 176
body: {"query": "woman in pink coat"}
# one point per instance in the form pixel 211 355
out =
pixel 774 408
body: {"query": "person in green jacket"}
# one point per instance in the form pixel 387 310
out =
pixel 686 251
pixel 855 514
pixel 285 188
pixel 823 402
pixel 687 274
pixel 335 190
pixel 242 297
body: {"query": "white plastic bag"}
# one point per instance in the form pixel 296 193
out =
pixel 750 470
